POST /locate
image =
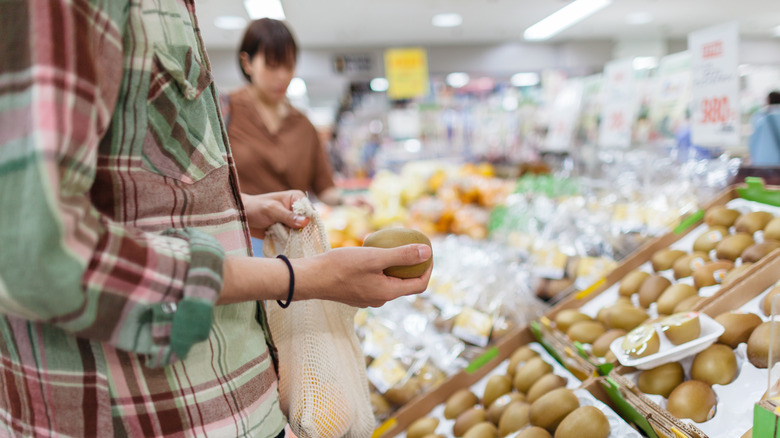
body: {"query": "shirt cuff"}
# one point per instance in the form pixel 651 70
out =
pixel 177 326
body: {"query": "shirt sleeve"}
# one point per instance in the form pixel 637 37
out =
pixel 62 262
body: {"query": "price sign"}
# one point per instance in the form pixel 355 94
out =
pixel 715 87
pixel 620 103
pixel 407 73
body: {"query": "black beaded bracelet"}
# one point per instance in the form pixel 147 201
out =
pixel 292 282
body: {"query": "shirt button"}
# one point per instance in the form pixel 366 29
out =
pixel 168 307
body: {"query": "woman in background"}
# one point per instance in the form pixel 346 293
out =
pixel 275 146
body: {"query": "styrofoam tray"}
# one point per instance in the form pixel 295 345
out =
pixel 668 352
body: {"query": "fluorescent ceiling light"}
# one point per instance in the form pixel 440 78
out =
pixel 637 18
pixel 457 80
pixel 447 20
pixel 527 79
pixel 264 9
pixel 645 62
pixel 379 84
pixel 230 22
pixel 569 15
pixel 297 88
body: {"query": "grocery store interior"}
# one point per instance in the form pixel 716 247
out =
pixel 571 163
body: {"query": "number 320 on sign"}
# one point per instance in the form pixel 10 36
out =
pixel 715 110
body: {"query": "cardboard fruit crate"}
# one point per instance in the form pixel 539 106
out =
pixel 604 292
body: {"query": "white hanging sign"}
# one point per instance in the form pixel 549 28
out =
pixel 564 117
pixel 619 108
pixel 715 87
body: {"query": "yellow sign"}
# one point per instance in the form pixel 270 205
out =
pixel 407 73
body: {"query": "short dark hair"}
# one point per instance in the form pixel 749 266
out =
pixel 773 98
pixel 273 38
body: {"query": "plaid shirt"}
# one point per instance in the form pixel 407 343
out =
pixel 118 204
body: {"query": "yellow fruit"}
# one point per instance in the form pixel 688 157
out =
pixel 641 341
pixel 681 327
pixel 393 237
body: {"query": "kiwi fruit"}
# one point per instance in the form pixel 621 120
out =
pixel 545 384
pixel 629 285
pixel 753 221
pixel 402 394
pixel 692 399
pixel 721 215
pixel 458 402
pixel 530 372
pixel 556 286
pixel 734 274
pixel 738 326
pixel 625 317
pixel 766 303
pixel 550 409
pixel 484 429
pixel 665 258
pixel 520 355
pixel 711 273
pixel 585 421
pixel 393 237
pixel 757 251
pixel 600 346
pixel 495 387
pixel 758 344
pixel 585 332
pixel 732 246
pixel 662 379
pixel 708 240
pixel 688 304
pixel 568 317
pixel 685 265
pixel 516 416
pixel 681 327
pixel 673 295
pixel 422 427
pixel 467 419
pixel 716 364
pixel 641 341
pixel 379 405
pixel 498 407
pixel 652 288
pixel 533 432
pixel 772 229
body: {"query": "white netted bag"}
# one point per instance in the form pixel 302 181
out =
pixel 322 374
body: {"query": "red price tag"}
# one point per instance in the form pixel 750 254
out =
pixel 715 110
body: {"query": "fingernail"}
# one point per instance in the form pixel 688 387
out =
pixel 299 221
pixel 424 251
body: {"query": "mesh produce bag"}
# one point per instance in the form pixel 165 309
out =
pixel 322 374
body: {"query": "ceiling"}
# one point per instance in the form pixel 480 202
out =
pixel 322 24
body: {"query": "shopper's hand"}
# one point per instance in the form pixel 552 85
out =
pixel 354 275
pixel 262 211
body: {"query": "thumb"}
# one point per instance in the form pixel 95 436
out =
pixel 292 220
pixel 409 254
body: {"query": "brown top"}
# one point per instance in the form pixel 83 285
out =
pixel 292 158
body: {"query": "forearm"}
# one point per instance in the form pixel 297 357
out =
pixel 330 196
pixel 253 279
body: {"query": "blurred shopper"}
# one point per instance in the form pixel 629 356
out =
pixel 765 140
pixel 275 146
pixel 129 305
